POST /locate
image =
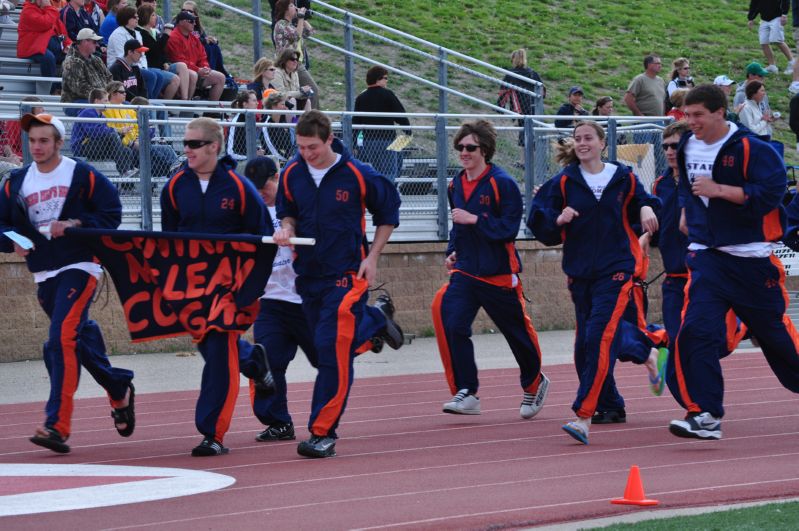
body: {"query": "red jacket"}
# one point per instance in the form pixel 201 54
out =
pixel 36 26
pixel 186 49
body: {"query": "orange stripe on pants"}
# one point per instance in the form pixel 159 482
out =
pixel 225 416
pixel 69 353
pixel 441 338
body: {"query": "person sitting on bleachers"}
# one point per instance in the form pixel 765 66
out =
pixel 127 71
pixel 162 156
pixel 237 135
pixel 75 18
pixel 42 37
pixel 160 83
pixel 95 11
pixel 287 81
pixel 159 21
pixel 185 46
pixel 287 36
pixel 277 139
pixel 110 22
pixel 211 44
pixel 83 71
pixel 263 73
pixel 97 141
pixel 156 41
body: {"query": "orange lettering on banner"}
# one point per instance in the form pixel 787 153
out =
pixel 136 270
pixel 142 296
pixel 223 276
pixel 163 247
pixel 163 319
pixel 224 305
pixel 170 293
pixel 244 247
pixel 195 282
pixel 109 242
pixel 208 247
pixel 242 272
pixel 195 325
pixel 180 247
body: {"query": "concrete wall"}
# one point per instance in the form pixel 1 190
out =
pixel 412 273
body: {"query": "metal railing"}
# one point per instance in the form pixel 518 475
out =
pixel 440 56
pixel 420 170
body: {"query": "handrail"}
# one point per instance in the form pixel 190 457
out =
pixel 438 86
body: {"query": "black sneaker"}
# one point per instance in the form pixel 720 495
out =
pixel 392 333
pixel 700 426
pixel 52 440
pixel 265 385
pixel 618 416
pixel 317 446
pixel 377 344
pixel 277 432
pixel 209 447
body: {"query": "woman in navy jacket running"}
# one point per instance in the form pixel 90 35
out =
pixel 590 207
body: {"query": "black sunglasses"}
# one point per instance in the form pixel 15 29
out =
pixel 471 148
pixel 196 144
pixel 672 145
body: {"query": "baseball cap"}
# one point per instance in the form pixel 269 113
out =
pixel 43 118
pixel 184 15
pixel 723 81
pixel 575 90
pixel 756 69
pixel 259 170
pixel 134 45
pixel 87 34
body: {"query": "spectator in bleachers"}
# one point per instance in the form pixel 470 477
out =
pixel 75 18
pixel 287 36
pixel 128 131
pixel 287 81
pixel 159 21
pixel 377 98
pixel 573 107
pixel 603 106
pixel 278 140
pixel 95 11
pixel 186 47
pixel 751 115
pixel 83 71
pixel 677 100
pixel 42 37
pixel 237 135
pixel 162 156
pixel 160 83
pixel 12 133
pixel 212 50
pixel 306 4
pixel 725 84
pixel 646 95
pixel 97 141
pixel 680 76
pixel 110 22
pixel 754 72
pixel 127 71
pixel 155 42
pixel 263 73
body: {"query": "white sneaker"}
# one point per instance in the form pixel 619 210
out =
pixel 463 404
pixel 793 88
pixel 701 426
pixel 532 403
pixel 772 69
pixel 789 68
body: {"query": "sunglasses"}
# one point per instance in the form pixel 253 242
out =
pixel 196 144
pixel 471 148
pixel 271 68
pixel 672 145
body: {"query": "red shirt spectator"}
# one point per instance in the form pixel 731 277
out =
pixel 38 22
pixel 184 45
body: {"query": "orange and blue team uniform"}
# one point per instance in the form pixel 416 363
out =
pixel 74 340
pixel 485 274
pixel 333 299
pixel 230 205
pixel 601 256
pixel 753 287
pixel 673 245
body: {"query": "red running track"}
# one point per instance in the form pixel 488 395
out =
pixel 404 464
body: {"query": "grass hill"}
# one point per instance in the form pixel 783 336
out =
pixel 598 45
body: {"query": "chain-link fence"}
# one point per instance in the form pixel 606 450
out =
pixel 419 159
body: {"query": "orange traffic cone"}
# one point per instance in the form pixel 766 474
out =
pixel 634 491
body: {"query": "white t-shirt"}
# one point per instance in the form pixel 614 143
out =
pixel 598 181
pixel 699 159
pixel 281 285
pixel 204 184
pixel 317 175
pixel 44 195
